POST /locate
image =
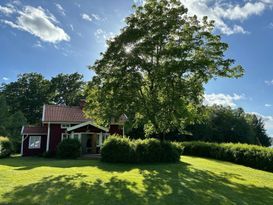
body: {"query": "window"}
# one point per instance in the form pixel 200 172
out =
pixel 34 142
pixel 76 136
pixel 65 136
pixel 104 137
pixel 64 126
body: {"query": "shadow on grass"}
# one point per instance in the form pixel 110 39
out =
pixel 162 184
pixel 28 163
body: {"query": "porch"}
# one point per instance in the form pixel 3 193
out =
pixel 91 137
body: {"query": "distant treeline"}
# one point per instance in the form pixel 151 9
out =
pixel 221 124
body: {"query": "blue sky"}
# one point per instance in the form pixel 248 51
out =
pixel 66 36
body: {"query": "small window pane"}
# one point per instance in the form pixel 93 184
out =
pixel 34 142
pixel 65 136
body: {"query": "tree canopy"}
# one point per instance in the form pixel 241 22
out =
pixel 67 88
pixel 31 91
pixel 224 124
pixel 154 71
pixel 28 94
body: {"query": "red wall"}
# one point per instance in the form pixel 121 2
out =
pixel 116 129
pixel 31 152
pixel 55 136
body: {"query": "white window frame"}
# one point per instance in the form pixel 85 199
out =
pixel 68 136
pixel 77 136
pixel 39 138
pixel 65 125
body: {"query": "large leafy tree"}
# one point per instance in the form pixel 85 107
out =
pixel 11 124
pixel 28 94
pixel 156 68
pixel 68 88
pixel 257 125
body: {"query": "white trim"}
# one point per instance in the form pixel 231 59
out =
pixel 22 145
pixel 22 130
pixel 29 142
pixel 100 139
pixel 76 133
pixel 48 137
pixel 68 135
pixel 43 116
pixel 87 123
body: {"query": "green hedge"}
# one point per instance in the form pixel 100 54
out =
pixel 69 149
pixel 249 155
pixel 121 149
pixel 5 147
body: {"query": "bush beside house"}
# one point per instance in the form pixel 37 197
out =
pixel 249 155
pixel 69 149
pixel 5 147
pixel 121 149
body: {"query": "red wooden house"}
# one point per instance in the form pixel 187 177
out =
pixel 60 122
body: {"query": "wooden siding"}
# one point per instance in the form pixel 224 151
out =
pixel 32 152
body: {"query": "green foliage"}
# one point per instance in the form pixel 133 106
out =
pixel 121 149
pixel 155 69
pixel 249 155
pixel 11 124
pixel 117 149
pixel 5 147
pixel 148 150
pixel 4 115
pixel 67 88
pixel 224 124
pixel 69 149
pixel 28 94
pixel 31 91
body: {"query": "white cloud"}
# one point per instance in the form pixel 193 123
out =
pixel 72 27
pixel 269 82
pixel 5 78
pixel 268 105
pixel 90 17
pixel 101 34
pixel 96 17
pixel 39 23
pixel 221 11
pixel 7 10
pixel 38 45
pixel 222 99
pixel 86 17
pixel 60 9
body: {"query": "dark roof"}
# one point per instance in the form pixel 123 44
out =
pixel 34 130
pixel 62 113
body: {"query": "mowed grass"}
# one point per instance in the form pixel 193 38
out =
pixel 193 181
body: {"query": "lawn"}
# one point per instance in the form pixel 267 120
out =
pixel 194 180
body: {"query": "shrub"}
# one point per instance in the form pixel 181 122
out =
pixel 121 149
pixel 249 155
pixel 117 149
pixel 69 149
pixel 148 150
pixel 5 147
